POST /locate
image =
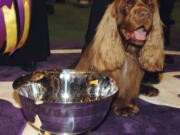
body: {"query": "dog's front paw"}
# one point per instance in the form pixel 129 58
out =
pixel 148 90
pixel 126 111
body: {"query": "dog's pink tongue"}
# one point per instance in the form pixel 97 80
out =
pixel 140 34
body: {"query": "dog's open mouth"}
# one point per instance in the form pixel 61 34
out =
pixel 139 34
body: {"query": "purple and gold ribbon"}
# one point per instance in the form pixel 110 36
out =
pixel 8 3
pixel 8 24
pixel 27 9
pixel 2 29
pixel 11 27
pixel 21 16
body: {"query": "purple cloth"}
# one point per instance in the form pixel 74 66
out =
pixel 55 61
pixel 151 120
pixel 177 76
pixel 12 121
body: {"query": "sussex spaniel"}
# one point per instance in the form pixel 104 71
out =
pixel 128 41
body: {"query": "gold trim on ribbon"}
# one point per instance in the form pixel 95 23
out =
pixel 23 39
pixel 11 27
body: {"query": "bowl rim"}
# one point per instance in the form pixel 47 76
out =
pixel 17 90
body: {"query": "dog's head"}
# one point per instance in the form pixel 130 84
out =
pixel 134 19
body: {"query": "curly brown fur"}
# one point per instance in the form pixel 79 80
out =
pixel 128 41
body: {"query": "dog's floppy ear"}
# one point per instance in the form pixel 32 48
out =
pixel 107 44
pixel 151 57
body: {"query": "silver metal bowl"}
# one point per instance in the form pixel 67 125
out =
pixel 65 101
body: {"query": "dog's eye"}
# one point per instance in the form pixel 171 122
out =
pixel 151 7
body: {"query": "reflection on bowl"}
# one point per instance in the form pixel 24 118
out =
pixel 65 101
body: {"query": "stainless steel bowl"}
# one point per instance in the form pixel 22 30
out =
pixel 65 101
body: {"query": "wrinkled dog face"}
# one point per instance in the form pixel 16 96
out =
pixel 134 19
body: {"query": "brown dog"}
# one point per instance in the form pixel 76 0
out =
pixel 128 41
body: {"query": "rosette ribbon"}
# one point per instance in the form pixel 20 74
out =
pixel 8 3
pixel 12 12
